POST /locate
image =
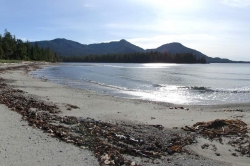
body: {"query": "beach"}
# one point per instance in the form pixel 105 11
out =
pixel 42 149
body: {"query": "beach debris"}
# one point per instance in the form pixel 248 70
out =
pixel 234 154
pixel 209 146
pixel 242 145
pixel 179 108
pixel 110 143
pixel 219 127
pixel 205 146
pixel 235 130
pixel 217 154
pixel 238 116
pixel 238 110
pixel 160 127
pixel 214 148
pixel 72 106
pixel 133 163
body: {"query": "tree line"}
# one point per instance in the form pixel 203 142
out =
pixel 15 49
pixel 139 57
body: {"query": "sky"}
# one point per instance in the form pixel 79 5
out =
pixel 217 28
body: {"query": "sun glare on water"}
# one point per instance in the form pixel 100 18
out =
pixel 158 65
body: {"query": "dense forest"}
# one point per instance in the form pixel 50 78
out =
pixel 15 49
pixel 143 57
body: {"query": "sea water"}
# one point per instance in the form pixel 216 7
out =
pixel 174 83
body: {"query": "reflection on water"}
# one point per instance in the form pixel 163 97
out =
pixel 175 83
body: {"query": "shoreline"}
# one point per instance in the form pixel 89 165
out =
pixel 189 94
pixel 22 144
pixel 116 110
pixel 96 105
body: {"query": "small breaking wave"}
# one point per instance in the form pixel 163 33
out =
pixel 110 86
pixel 159 85
pixel 219 90
pixel 197 88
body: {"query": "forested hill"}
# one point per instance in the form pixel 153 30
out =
pixel 16 49
pixel 175 48
pixel 64 47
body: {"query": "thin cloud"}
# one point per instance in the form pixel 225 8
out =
pixel 237 3
pixel 156 41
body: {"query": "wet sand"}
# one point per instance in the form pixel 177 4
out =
pixel 111 109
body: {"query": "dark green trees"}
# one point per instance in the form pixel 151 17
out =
pixel 15 49
pixel 8 45
pixel 139 57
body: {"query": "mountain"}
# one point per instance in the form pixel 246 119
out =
pixel 122 47
pixel 175 48
pixel 64 47
pixel 179 48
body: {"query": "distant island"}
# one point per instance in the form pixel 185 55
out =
pixel 70 50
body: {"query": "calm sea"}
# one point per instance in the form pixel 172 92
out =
pixel 174 83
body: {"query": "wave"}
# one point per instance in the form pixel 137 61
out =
pixel 110 86
pixel 219 90
pixel 245 89
pixel 159 85
pixel 199 88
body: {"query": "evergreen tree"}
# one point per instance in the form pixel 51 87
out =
pixel 16 49
pixel 1 52
pixel 8 45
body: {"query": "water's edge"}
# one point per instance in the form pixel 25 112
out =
pixel 108 79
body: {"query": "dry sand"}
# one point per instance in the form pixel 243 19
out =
pixel 105 108
pixel 24 145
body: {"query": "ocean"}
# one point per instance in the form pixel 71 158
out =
pixel 189 84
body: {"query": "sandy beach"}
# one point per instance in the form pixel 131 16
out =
pixel 26 145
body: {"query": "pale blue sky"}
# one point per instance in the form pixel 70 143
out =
pixel 217 28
